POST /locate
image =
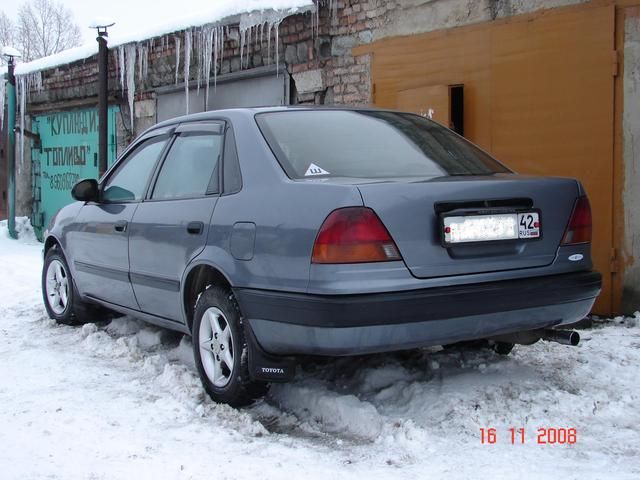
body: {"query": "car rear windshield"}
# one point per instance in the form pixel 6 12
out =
pixel 369 144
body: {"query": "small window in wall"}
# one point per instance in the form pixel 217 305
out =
pixel 456 96
pixel 191 166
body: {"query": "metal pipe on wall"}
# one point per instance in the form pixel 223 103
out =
pixel 11 142
pixel 103 88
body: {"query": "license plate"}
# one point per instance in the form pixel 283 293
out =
pixel 486 228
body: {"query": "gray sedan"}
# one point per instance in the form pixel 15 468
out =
pixel 272 233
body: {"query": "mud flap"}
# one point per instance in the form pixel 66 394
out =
pixel 266 367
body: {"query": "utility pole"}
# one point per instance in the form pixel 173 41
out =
pixel 103 91
pixel 11 54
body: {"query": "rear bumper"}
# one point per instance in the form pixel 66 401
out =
pixel 293 323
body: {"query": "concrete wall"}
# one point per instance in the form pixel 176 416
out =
pixel 407 17
pixel 631 145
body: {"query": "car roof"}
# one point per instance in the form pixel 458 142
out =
pixel 216 114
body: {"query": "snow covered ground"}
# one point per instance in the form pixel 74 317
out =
pixel 122 400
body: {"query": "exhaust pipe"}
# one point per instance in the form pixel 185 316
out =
pixel 565 337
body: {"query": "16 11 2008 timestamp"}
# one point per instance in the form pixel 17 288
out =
pixel 541 436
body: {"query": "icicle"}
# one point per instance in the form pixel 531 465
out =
pixel 145 66
pixel 269 41
pixel 206 50
pixel 277 26
pixel 37 80
pixel 187 64
pixel 177 43
pixel 131 79
pixel 333 10
pixel 139 61
pixel 216 47
pixel 200 58
pixel 22 98
pixel 210 42
pixel 241 45
pixel 249 46
pixel 220 55
pixel 122 66
pixel 143 62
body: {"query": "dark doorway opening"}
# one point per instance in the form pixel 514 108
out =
pixel 456 95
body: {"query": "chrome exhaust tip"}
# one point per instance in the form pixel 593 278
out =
pixel 565 337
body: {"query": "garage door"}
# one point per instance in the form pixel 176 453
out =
pixel 245 90
pixel 538 93
pixel 68 152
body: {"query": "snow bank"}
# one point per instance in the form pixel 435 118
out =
pixel 121 399
pixel 219 13
pixel 24 230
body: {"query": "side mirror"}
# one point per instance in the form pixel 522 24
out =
pixel 85 190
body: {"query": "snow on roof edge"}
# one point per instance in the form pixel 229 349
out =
pixel 224 14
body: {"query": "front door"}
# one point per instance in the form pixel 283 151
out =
pixel 98 240
pixel 170 227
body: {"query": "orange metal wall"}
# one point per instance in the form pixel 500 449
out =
pixel 538 93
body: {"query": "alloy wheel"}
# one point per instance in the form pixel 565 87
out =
pixel 216 346
pixel 57 286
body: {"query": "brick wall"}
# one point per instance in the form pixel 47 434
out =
pixel 317 56
pixel 317 51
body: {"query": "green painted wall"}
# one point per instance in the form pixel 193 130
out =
pixel 68 153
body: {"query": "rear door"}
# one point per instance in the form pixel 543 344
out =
pixel 170 227
pixel 98 239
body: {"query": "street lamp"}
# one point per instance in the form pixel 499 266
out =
pixel 11 54
pixel 101 26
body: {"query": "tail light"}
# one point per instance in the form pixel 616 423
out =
pixel 579 228
pixel 354 235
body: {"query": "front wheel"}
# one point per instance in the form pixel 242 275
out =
pixel 220 350
pixel 61 299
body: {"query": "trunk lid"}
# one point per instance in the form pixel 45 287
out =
pixel 411 211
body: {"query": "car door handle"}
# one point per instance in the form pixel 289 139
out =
pixel 195 228
pixel 120 226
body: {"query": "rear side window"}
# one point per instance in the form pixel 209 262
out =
pixel 369 144
pixel 129 181
pixel 191 167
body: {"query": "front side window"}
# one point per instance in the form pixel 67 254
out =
pixel 369 144
pixel 129 181
pixel 191 166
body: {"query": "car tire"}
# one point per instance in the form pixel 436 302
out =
pixel 59 293
pixel 220 350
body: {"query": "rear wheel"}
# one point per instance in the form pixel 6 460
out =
pixel 220 350
pixel 61 299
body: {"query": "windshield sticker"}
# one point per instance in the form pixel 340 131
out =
pixel 315 170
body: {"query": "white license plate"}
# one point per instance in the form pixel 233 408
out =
pixel 486 228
